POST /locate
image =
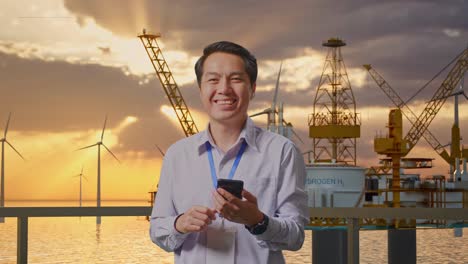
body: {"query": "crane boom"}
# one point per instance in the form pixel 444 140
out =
pixel 407 112
pixel 394 145
pixel 439 98
pixel 168 83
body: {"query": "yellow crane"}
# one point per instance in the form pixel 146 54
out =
pixel 395 146
pixel 168 83
pixel 407 112
pixel 438 99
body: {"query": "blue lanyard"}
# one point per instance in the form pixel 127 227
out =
pixel 234 166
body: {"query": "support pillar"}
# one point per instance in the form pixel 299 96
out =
pixel 22 244
pixel 329 246
pixel 353 241
pixel 402 246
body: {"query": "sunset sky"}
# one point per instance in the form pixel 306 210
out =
pixel 66 64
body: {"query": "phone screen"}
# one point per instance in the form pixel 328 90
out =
pixel 234 187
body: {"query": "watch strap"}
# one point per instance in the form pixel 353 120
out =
pixel 260 227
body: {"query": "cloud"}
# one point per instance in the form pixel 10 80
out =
pixel 406 40
pixel 453 33
pixel 123 17
pixel 258 25
pixel 105 50
pixel 56 96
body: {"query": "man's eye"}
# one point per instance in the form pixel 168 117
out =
pixel 212 80
pixel 236 79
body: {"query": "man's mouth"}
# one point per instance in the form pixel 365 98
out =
pixel 225 101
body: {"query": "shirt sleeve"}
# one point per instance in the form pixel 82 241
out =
pixel 162 230
pixel 285 229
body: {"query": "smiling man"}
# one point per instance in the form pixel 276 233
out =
pixel 202 223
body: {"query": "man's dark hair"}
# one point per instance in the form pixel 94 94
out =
pixel 250 62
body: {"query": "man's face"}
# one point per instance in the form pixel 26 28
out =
pixel 225 88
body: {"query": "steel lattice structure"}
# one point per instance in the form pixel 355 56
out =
pixel 168 83
pixel 438 100
pixel 334 124
pixel 407 112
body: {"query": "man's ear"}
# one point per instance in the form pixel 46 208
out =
pixel 252 95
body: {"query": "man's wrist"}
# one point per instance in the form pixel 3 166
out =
pixel 175 224
pixel 259 217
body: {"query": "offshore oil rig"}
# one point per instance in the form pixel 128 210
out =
pixel 333 177
pixel 334 180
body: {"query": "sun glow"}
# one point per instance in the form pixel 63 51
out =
pixel 200 118
pixel 169 112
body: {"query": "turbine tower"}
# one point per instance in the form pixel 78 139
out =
pixel 99 144
pixel 334 124
pixel 81 175
pixel 2 181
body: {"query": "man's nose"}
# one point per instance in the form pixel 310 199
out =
pixel 224 86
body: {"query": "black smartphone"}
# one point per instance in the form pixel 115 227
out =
pixel 234 187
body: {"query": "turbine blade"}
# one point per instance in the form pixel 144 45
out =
pixel 275 97
pixel 105 121
pixel 266 111
pixel 462 83
pixel 298 137
pixel 15 150
pixel 464 94
pixel 111 153
pixel 81 170
pixel 7 124
pixel 292 130
pixel 85 178
pixel 160 151
pixel 87 147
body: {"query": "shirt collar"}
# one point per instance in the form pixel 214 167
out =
pixel 248 133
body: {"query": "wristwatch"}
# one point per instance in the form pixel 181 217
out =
pixel 259 228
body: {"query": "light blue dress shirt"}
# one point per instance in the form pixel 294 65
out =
pixel 272 169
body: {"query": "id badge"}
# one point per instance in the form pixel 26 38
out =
pixel 220 245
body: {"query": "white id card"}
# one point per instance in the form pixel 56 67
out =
pixel 220 245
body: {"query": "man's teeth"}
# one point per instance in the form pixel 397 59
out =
pixel 225 102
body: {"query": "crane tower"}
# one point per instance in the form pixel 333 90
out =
pixel 334 124
pixel 168 82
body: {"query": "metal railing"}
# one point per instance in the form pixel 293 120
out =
pixel 352 216
pixel 23 213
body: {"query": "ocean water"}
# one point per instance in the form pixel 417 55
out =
pixel 126 240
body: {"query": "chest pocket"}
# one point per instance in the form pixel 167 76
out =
pixel 265 190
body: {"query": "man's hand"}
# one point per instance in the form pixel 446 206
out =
pixel 195 219
pixel 236 210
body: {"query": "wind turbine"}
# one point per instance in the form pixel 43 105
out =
pixel 455 150
pixel 273 111
pixel 160 151
pixel 4 140
pixel 99 144
pixel 81 178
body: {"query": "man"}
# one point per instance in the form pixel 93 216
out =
pixel 205 224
